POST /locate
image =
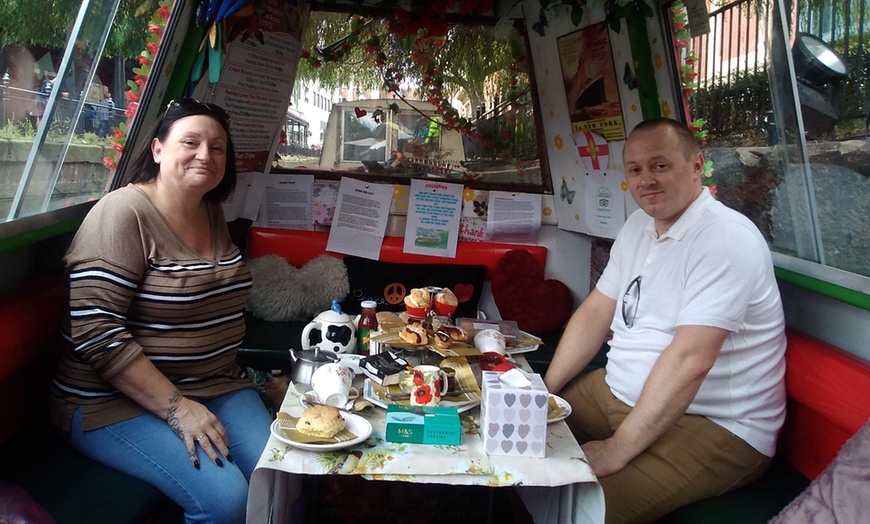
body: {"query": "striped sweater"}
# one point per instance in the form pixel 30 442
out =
pixel 136 287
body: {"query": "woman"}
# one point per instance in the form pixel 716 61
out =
pixel 149 384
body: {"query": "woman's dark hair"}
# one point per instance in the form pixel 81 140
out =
pixel 143 168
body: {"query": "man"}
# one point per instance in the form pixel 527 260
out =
pixel 104 113
pixel 692 397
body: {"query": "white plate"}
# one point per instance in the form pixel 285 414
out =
pixel 523 349
pixel 562 403
pixel 369 394
pixel 357 425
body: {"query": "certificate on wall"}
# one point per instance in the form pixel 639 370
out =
pixel 433 218
pixel 360 218
pixel 605 203
pixel 591 84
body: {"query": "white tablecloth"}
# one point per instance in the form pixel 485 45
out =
pixel 559 488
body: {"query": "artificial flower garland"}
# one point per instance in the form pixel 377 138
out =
pixel 156 26
pixel 688 84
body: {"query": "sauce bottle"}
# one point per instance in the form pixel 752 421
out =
pixel 368 322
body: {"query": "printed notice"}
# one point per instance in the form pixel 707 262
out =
pixel 244 202
pixel 360 219
pixel 433 218
pixel 605 203
pixel 287 202
pixel 513 218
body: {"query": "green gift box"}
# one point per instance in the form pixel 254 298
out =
pixel 424 425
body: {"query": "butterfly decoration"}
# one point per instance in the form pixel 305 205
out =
pixel 566 195
pixel 541 24
pixel 629 78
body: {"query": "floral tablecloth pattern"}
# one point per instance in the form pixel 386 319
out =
pixel 579 498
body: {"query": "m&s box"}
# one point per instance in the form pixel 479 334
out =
pixel 513 419
pixel 423 425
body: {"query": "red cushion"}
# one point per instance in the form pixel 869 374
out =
pixel 30 317
pixel 828 392
pixel 522 294
pixel 299 247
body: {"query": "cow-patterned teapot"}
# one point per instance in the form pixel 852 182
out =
pixel 331 330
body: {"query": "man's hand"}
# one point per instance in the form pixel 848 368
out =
pixel 604 457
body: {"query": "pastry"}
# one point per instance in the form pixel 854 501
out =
pixel 445 296
pixel 418 298
pixel 414 334
pixel 457 334
pixel 442 339
pixel 320 421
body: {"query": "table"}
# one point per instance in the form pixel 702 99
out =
pixel 559 488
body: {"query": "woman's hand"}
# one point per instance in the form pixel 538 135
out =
pixel 196 425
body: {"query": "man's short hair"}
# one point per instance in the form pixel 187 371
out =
pixel 684 135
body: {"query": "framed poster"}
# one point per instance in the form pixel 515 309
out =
pixel 591 85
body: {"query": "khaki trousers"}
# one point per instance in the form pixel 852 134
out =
pixel 693 460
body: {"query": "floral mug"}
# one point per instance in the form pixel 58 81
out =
pixel 429 383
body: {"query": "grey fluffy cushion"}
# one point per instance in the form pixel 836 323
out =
pixel 282 292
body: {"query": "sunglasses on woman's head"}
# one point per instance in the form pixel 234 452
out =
pixel 190 103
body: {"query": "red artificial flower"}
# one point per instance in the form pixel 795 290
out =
pixel 152 48
pixel 155 29
pixel 117 146
pixel 712 189
pixel 163 12
pixel 130 112
pixel 132 97
pixel 144 60
pixel 108 162
pixel 118 134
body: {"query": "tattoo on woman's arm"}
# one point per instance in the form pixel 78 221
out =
pixel 172 416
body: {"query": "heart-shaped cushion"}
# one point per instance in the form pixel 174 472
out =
pixel 281 292
pixel 523 295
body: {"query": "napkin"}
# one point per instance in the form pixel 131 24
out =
pixel 287 424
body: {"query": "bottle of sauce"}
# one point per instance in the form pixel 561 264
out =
pixel 368 322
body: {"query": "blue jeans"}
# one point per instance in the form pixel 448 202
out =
pixel 145 447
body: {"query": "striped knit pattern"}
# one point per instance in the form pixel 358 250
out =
pixel 136 287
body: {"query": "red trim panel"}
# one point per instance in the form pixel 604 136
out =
pixel 298 247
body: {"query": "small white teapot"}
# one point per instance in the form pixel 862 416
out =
pixel 331 330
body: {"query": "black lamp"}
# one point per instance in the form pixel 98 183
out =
pixel 818 70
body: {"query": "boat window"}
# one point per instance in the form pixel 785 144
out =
pixel 457 105
pixel 785 101
pixel 64 78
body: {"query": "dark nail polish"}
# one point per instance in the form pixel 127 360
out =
pixel 219 462
pixel 229 457
pixel 196 464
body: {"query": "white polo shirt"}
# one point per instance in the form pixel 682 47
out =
pixel 711 268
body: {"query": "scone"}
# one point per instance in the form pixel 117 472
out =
pixel 320 421
pixel 445 296
pixel 418 298
pixel 414 334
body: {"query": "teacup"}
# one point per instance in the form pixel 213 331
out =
pixel 427 385
pixel 332 384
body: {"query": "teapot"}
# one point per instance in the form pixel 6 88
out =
pixel 331 330
pixel 306 362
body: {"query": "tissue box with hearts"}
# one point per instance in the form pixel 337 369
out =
pixel 513 418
